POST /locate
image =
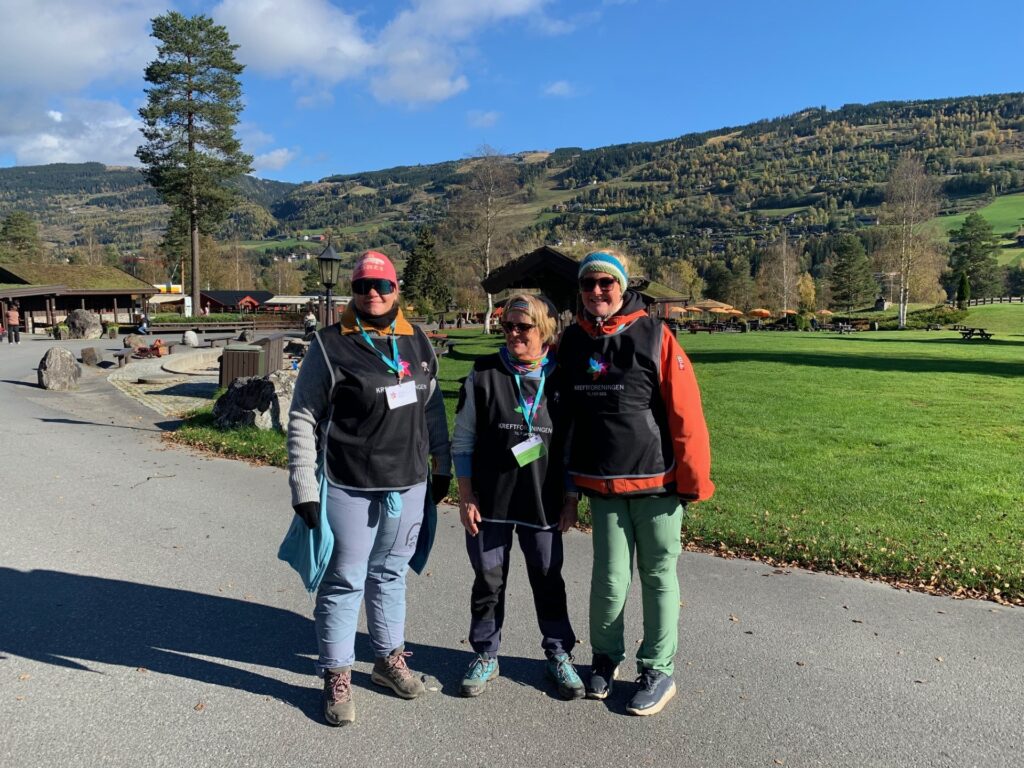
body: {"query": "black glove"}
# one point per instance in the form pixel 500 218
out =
pixel 439 485
pixel 309 511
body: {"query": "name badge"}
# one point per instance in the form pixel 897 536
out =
pixel 401 394
pixel 531 449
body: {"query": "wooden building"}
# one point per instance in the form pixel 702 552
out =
pixel 46 293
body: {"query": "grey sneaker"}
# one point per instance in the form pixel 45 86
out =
pixel 602 673
pixel 481 671
pixel 392 671
pixel 655 691
pixel 560 669
pixel 338 706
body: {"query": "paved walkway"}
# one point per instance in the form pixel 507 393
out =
pixel 173 398
pixel 145 621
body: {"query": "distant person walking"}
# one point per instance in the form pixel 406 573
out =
pixel 639 451
pixel 509 458
pixel 309 322
pixel 13 319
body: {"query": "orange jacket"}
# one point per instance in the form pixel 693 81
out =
pixel 691 447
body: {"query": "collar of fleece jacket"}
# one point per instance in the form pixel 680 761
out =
pixel 348 324
pixel 632 309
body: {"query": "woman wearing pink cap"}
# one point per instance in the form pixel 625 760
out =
pixel 367 410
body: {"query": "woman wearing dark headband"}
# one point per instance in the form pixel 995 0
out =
pixel 366 410
pixel 638 447
pixel 509 463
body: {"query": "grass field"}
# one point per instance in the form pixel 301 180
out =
pixel 889 455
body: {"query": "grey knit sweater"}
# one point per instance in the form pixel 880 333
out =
pixel 310 403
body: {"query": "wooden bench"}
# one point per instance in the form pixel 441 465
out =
pixel 933 327
pixel 844 328
pixel 699 328
pixel 975 333
pixel 123 356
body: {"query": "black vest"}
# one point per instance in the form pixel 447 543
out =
pixel 611 385
pixel 370 446
pixel 532 494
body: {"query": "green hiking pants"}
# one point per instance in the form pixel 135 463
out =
pixel 650 527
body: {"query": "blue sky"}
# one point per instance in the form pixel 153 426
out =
pixel 340 86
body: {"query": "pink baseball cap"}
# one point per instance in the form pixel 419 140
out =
pixel 374 264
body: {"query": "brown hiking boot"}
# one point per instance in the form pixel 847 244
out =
pixel 393 672
pixel 338 706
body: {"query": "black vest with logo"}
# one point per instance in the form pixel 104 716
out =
pixel 532 494
pixel 370 446
pixel 612 388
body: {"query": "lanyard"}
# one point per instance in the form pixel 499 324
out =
pixel 529 412
pixel 394 363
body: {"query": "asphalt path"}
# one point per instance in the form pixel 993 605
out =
pixel 145 621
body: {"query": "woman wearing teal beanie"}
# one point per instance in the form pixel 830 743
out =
pixel 639 451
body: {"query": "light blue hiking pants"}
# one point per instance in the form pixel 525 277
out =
pixel 371 556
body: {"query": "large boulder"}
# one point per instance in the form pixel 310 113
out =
pixel 58 370
pixel 91 357
pixel 134 341
pixel 296 347
pixel 256 401
pixel 83 324
pixel 247 336
pixel 190 339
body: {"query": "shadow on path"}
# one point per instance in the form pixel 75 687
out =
pixel 77 422
pixel 60 618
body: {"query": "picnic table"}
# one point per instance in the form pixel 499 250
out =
pixel 844 328
pixel 975 333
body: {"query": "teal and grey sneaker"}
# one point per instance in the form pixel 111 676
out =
pixel 481 671
pixel 655 691
pixel 561 670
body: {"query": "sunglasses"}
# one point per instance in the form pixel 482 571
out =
pixel 588 283
pixel 364 285
pixel 517 327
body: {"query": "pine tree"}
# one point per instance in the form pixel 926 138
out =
pixel 852 283
pixel 425 282
pixel 191 150
pixel 19 238
pixel 975 256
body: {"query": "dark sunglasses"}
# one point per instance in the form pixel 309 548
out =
pixel 587 283
pixel 517 327
pixel 364 285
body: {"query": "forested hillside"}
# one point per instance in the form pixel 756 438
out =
pixel 715 199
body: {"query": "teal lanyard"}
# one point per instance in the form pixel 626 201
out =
pixel 394 363
pixel 531 412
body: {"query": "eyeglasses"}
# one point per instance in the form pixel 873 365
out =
pixel 517 327
pixel 587 283
pixel 364 285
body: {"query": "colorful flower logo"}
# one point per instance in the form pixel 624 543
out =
pixel 597 367
pixel 529 406
pixel 405 368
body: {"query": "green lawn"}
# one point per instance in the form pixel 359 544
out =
pixel 889 454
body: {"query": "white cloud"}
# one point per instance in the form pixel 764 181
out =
pixel 296 38
pixel 562 88
pixel 478 119
pixel 274 160
pixel 102 131
pixel 64 45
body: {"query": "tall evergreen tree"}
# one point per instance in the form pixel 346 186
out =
pixel 852 283
pixel 425 282
pixel 975 256
pixel 19 238
pixel 193 104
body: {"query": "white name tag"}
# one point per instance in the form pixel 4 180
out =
pixel 401 394
pixel 531 449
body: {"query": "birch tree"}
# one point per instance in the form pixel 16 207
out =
pixel 911 201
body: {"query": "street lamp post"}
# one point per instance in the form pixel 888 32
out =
pixel 330 263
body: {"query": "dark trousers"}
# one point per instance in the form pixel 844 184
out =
pixel 13 334
pixel 490 554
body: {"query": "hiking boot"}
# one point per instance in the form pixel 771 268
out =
pixel 338 706
pixel 481 671
pixel 602 673
pixel 655 691
pixel 560 669
pixel 393 672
